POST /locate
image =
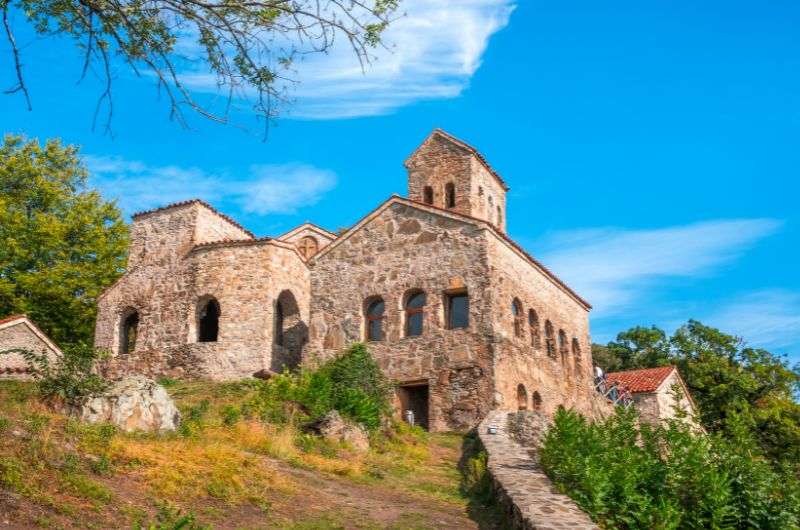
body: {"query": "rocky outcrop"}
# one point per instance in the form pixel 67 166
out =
pixel 520 484
pixel 334 428
pixel 133 403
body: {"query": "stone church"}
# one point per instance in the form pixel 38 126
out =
pixel 456 313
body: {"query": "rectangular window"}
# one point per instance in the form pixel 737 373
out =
pixel 458 311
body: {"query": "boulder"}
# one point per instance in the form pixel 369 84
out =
pixel 337 429
pixel 133 403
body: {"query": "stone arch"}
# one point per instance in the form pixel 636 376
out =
pixel 208 314
pixel 374 315
pixel 522 397
pixel 290 333
pixel 549 338
pixel 519 317
pixel 427 195
pixel 128 330
pixel 563 348
pixel 533 324
pixel 536 401
pixel 450 195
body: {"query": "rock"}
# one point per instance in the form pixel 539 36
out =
pixel 335 428
pixel 133 403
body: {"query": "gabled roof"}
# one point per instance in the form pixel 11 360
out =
pixel 14 320
pixel 643 380
pixel 396 199
pixel 460 143
pixel 311 226
pixel 198 202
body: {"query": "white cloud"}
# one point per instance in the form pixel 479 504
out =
pixel 268 188
pixel 767 318
pixel 612 267
pixel 433 51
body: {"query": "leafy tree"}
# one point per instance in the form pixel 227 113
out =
pixel 61 244
pixel 246 46
pixel 733 385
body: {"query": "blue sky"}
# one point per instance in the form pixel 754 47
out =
pixel 652 148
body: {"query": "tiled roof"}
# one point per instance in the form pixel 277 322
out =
pixel 200 202
pixel 644 380
pixel 472 150
pixel 11 318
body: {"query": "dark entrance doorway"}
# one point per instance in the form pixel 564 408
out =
pixel 414 397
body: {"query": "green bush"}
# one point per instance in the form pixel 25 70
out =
pixel 351 383
pixel 71 377
pixel 630 476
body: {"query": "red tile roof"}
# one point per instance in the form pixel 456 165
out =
pixel 644 380
pixel 11 318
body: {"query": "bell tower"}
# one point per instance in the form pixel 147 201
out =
pixel 450 174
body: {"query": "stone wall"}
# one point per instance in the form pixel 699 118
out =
pixel 400 249
pixel 520 485
pixel 520 359
pixel 658 406
pixel 18 334
pixel 441 160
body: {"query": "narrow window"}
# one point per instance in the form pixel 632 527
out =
pixel 522 397
pixel 549 339
pixel 375 309
pixel 450 195
pixel 208 328
pixel 576 349
pixel 518 314
pixel 427 195
pixel 129 333
pixel 537 401
pixel 457 310
pixel 499 217
pixel 415 305
pixel 562 344
pixel 533 324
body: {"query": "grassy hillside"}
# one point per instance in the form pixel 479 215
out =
pixel 223 470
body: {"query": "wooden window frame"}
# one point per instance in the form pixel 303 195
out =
pixel 372 318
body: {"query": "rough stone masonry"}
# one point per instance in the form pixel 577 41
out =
pixel 455 312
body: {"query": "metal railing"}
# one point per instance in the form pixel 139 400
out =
pixel 615 393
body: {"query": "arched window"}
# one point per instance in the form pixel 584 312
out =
pixel 375 310
pixel 450 195
pixel 457 310
pixel 537 401
pixel 129 331
pixel 208 321
pixel 522 397
pixel 576 349
pixel 308 246
pixel 562 344
pixel 415 307
pixel 519 315
pixel 427 195
pixel 533 324
pixel 549 339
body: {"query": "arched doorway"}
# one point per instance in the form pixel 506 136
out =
pixel 290 333
pixel 208 320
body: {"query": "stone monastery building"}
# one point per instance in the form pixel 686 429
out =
pixel 454 311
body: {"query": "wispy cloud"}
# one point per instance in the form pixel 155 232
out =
pixel 432 53
pixel 613 267
pixel 268 188
pixel 767 318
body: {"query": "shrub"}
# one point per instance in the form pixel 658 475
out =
pixel 70 378
pixel 352 384
pixel 630 476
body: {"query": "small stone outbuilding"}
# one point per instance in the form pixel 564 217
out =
pixel 653 391
pixel 18 332
pixel 458 314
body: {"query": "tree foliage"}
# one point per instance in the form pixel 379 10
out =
pixel 61 244
pixel 246 46
pixel 734 385
pixel 632 476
